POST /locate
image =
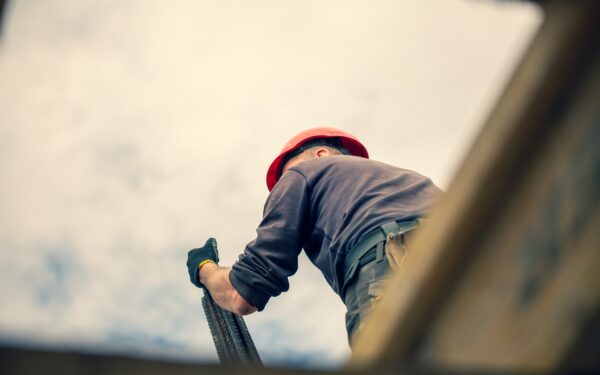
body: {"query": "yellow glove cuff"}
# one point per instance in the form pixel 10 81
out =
pixel 204 262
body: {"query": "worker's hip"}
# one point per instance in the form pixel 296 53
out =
pixel 364 290
pixel 367 269
pixel 389 239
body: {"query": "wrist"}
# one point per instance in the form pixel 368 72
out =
pixel 205 269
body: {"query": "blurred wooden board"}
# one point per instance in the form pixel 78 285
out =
pixel 534 282
pixel 506 273
pixel 44 362
pixel 32 361
pixel 2 9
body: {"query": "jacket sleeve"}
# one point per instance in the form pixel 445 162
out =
pixel 262 270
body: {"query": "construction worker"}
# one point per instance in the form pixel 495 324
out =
pixel 344 210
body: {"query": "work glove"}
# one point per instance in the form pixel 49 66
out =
pixel 200 256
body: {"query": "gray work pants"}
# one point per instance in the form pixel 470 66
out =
pixel 365 288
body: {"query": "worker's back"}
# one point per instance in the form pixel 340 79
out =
pixel 325 205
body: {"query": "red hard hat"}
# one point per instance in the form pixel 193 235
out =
pixel 349 142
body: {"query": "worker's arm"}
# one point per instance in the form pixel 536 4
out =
pixel 263 269
pixel 216 280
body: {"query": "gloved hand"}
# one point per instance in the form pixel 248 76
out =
pixel 199 256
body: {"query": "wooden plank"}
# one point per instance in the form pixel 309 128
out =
pixel 534 282
pixel 523 124
pixel 2 9
pixel 29 361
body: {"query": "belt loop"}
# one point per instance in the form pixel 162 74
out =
pixel 380 254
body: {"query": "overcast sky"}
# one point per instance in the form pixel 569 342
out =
pixel 131 131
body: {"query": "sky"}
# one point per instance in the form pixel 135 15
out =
pixel 133 130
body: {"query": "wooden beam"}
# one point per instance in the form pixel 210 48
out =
pixel 2 9
pixel 35 361
pixel 534 283
pixel 30 361
pixel 481 287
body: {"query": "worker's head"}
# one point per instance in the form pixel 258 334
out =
pixel 310 144
pixel 317 148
